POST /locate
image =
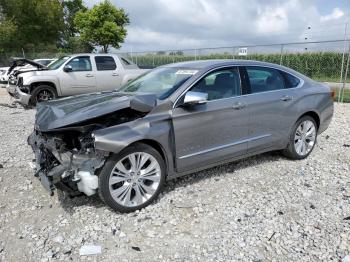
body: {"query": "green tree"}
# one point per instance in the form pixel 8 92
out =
pixel 75 44
pixel 31 23
pixel 70 41
pixel 7 34
pixel 70 9
pixel 103 25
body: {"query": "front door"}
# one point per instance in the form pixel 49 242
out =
pixel 80 80
pixel 214 131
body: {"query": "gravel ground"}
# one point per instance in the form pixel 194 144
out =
pixel 264 208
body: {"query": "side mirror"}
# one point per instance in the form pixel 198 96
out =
pixel 195 98
pixel 67 68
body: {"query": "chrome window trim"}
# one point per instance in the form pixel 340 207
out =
pixel 224 146
pixel 301 83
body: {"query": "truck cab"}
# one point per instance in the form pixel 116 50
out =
pixel 73 75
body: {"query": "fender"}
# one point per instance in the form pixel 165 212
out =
pixel 155 127
pixel 37 79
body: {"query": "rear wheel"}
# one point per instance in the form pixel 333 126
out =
pixel 132 179
pixel 43 93
pixel 303 138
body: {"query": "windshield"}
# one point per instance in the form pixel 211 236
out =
pixel 58 63
pixel 161 82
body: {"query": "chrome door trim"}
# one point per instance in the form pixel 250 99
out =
pixel 224 146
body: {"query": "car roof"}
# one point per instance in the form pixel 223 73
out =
pixel 202 64
pixel 210 64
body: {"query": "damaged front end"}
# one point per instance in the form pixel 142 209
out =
pixel 67 163
pixel 63 140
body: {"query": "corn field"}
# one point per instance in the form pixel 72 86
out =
pixel 322 66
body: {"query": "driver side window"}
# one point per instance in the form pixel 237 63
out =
pixel 81 63
pixel 219 84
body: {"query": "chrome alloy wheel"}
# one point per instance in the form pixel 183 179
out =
pixel 305 137
pixel 134 179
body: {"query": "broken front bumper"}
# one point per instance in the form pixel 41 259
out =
pixel 70 171
pixel 21 97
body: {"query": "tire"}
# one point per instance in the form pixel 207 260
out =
pixel 131 190
pixel 298 149
pixel 39 93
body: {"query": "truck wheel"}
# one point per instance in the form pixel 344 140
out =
pixel 43 93
pixel 132 179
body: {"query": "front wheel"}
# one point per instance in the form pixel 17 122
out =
pixel 43 93
pixel 303 138
pixel 132 179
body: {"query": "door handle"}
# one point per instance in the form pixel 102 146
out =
pixel 115 74
pixel 89 75
pixel 239 106
pixel 286 98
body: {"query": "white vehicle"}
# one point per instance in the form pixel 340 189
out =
pixel 72 75
pixel 5 75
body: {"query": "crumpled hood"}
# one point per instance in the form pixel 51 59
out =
pixel 23 62
pixel 77 109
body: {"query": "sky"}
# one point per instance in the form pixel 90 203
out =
pixel 186 24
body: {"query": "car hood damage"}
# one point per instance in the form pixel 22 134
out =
pixel 23 62
pixel 68 113
pixel 63 140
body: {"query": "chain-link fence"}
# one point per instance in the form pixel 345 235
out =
pixel 324 61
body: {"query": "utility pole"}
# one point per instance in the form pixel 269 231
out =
pixel 343 58
pixel 341 94
pixel 281 58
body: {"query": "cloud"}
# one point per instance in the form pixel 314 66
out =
pixel 272 20
pixel 183 24
pixel 336 14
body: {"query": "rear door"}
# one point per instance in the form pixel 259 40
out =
pixel 80 80
pixel 108 75
pixel 215 131
pixel 269 103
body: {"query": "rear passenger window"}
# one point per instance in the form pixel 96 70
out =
pixel 264 79
pixel 291 81
pixel 105 63
pixel 222 83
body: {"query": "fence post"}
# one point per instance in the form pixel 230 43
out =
pixel 281 57
pixel 195 54
pixel 173 57
pixel 343 57
pixel 345 77
pixel 233 53
pixel 153 56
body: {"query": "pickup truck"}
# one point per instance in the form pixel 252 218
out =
pixel 71 75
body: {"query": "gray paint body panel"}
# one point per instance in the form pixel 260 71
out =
pixel 203 135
